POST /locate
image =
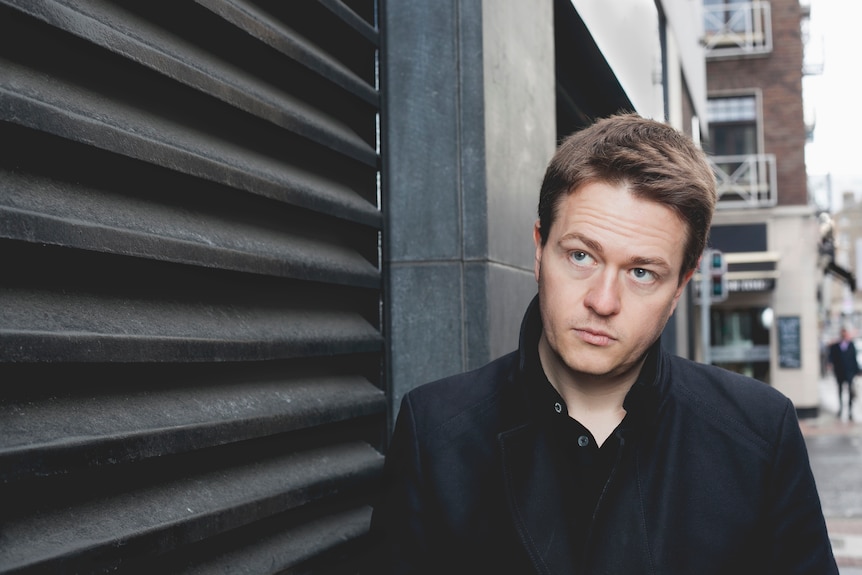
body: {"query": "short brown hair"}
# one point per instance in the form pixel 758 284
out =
pixel 657 163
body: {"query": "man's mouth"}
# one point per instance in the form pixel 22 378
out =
pixel 594 337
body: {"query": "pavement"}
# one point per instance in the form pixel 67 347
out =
pixel 835 451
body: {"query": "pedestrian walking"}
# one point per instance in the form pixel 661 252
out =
pixel 845 367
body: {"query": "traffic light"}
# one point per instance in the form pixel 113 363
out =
pixel 718 276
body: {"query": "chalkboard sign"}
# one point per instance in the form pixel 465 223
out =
pixel 789 348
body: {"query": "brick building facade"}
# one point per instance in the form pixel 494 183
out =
pixel 767 327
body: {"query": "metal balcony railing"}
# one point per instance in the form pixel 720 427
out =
pixel 737 28
pixel 747 181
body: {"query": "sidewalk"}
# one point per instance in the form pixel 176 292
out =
pixel 835 450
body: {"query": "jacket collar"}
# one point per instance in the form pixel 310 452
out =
pixel 641 402
pixel 533 486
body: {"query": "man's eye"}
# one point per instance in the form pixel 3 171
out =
pixel 643 275
pixel 580 257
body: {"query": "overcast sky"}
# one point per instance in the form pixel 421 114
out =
pixel 834 97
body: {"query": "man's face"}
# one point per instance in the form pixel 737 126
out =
pixel 608 281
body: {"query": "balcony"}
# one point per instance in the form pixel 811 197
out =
pixel 737 29
pixel 747 181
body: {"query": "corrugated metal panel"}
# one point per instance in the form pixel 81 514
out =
pixel 190 342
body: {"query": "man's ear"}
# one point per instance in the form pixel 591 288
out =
pixel 685 279
pixel 537 239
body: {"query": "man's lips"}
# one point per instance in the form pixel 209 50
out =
pixel 594 337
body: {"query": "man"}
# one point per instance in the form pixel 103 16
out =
pixel 591 449
pixel 842 357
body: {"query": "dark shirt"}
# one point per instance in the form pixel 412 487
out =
pixel 585 467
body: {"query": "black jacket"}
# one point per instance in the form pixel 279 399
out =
pixel 712 477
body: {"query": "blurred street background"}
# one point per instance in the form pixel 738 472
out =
pixel 835 448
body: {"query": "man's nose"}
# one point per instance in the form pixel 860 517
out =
pixel 603 296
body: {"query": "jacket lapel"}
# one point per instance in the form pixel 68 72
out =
pixel 535 498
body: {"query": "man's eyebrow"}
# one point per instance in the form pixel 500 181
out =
pixel 635 261
pixel 638 261
pixel 591 244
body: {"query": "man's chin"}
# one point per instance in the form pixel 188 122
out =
pixel 592 368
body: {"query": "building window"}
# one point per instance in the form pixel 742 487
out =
pixel 723 16
pixel 746 177
pixel 737 28
pixel 732 125
pixel 739 340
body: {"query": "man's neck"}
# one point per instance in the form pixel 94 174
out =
pixel 595 401
pixel 600 413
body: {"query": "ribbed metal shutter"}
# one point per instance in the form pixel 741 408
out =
pixel 190 342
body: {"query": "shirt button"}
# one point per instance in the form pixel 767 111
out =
pixel 558 407
pixel 583 441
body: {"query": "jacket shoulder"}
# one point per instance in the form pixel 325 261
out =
pixel 734 404
pixel 467 400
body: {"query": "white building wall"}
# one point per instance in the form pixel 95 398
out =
pixel 627 33
pixel 794 233
pixel 684 31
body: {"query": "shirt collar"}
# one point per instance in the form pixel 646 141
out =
pixel 640 403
